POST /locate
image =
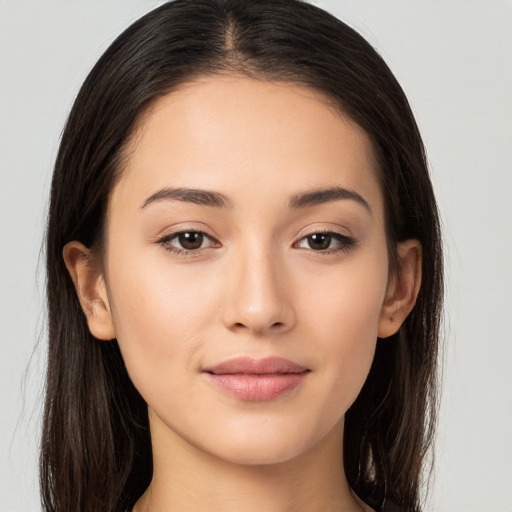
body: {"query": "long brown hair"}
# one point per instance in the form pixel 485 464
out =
pixel 96 447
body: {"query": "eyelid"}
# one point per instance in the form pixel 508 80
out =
pixel 331 232
pixel 185 228
pixel 324 227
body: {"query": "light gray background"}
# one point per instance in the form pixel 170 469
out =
pixel 454 60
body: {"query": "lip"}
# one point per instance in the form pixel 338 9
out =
pixel 256 380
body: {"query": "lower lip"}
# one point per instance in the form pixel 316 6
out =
pixel 257 388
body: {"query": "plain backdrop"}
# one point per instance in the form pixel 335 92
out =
pixel 454 60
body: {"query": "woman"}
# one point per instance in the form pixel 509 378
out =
pixel 244 272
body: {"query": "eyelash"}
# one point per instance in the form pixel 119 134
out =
pixel 345 243
pixel 166 240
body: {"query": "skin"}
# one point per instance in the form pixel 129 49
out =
pixel 255 288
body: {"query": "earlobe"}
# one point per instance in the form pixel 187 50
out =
pixel 403 288
pixel 91 289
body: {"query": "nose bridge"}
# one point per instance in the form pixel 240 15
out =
pixel 258 295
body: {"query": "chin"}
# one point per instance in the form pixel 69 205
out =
pixel 266 445
pixel 257 455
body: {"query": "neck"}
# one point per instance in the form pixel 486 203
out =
pixel 186 478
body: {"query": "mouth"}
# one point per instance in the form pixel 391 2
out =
pixel 256 380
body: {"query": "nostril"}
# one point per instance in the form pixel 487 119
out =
pixel 239 325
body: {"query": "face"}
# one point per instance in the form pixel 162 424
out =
pixel 246 266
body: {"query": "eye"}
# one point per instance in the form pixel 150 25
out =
pixel 187 241
pixel 327 242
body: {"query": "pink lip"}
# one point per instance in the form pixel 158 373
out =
pixel 256 380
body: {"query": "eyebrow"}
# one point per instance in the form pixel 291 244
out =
pixel 320 196
pixel 218 200
pixel 189 195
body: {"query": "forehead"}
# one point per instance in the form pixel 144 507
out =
pixel 230 133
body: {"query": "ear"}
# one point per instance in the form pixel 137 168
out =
pixel 91 290
pixel 403 288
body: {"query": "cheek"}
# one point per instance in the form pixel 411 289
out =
pixel 160 315
pixel 344 321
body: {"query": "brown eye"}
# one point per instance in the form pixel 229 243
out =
pixel 190 240
pixel 326 243
pixel 187 242
pixel 319 241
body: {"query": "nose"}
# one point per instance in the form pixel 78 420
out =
pixel 258 295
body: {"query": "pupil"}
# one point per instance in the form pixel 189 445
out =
pixel 191 240
pixel 319 241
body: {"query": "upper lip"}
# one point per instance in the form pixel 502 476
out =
pixel 250 366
